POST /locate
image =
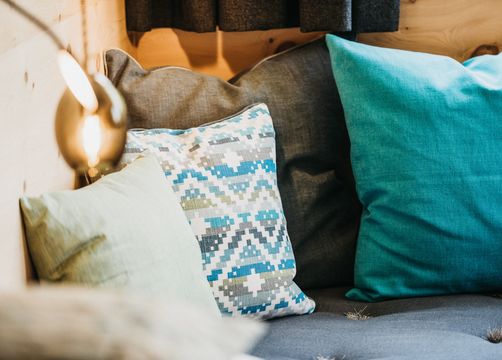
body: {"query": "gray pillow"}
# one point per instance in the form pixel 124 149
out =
pixel 314 171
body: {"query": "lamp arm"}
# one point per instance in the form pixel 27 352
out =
pixel 37 22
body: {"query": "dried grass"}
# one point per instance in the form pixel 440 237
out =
pixel 494 336
pixel 357 314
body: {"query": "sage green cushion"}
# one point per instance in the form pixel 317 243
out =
pixel 127 230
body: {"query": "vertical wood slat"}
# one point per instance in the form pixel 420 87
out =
pixel 29 93
pixel 455 28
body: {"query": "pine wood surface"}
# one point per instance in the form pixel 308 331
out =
pixel 30 84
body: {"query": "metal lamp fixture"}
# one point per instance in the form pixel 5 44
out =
pixel 91 115
pixel 90 119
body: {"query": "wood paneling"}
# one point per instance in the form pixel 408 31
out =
pixel 456 28
pixel 31 85
pixel 219 53
pixel 29 92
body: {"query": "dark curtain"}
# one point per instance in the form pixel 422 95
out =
pixel 245 15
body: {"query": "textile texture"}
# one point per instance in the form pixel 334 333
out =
pixel 64 322
pixel 224 175
pixel 425 133
pixel 439 328
pixel 246 15
pixel 189 15
pixel 313 165
pixel 126 230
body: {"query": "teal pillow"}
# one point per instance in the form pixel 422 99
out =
pixel 127 230
pixel 426 150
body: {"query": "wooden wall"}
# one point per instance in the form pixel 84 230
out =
pixel 457 28
pixel 30 87
pixel 30 84
pixel 220 53
pixel 451 27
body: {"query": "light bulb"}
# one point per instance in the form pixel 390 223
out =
pixel 91 139
pixel 90 120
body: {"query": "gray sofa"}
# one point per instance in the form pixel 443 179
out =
pixel 322 209
pixel 444 327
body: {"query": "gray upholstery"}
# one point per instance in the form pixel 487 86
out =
pixel 447 327
pixel 314 172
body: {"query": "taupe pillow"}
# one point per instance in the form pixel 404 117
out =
pixel 314 172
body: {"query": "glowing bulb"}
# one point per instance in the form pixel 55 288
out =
pixel 91 120
pixel 91 139
pixel 77 81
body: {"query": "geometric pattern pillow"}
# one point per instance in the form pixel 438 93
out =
pixel 314 173
pixel 224 175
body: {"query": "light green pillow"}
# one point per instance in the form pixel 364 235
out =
pixel 127 230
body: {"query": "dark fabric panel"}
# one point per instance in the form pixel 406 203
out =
pixel 195 15
pixel 329 15
pixel 162 13
pixel 439 328
pixel 139 15
pixel 375 15
pixel 314 171
pixel 189 15
pixel 247 15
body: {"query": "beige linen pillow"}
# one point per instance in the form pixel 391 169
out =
pixel 127 230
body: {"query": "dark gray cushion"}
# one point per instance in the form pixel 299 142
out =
pixel 446 327
pixel 314 173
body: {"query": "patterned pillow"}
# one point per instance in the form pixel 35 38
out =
pixel 224 175
pixel 314 173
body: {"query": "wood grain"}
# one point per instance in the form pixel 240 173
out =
pixel 220 53
pixel 456 28
pixel 31 85
pixel 29 93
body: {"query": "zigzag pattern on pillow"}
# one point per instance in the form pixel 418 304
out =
pixel 224 175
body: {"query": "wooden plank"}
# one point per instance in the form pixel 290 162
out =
pixel 455 28
pixel 15 30
pixel 221 54
pixel 29 93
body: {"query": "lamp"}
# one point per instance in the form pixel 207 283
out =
pixel 90 119
pixel 91 115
